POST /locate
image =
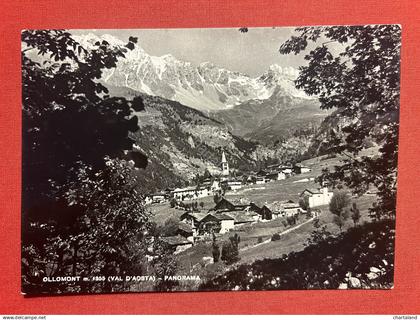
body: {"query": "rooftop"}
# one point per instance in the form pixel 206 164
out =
pixel 300 165
pixel 278 206
pixel 290 205
pixel 196 215
pixel 240 216
pixel 313 191
pixel 185 227
pixel 274 206
pixel 175 240
pixel 192 188
pixel 220 216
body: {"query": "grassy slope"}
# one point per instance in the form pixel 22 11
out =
pixel 190 261
pixel 325 265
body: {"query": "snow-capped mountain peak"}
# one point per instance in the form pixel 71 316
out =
pixel 204 87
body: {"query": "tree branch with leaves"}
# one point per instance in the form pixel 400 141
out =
pixel 81 213
pixel 355 71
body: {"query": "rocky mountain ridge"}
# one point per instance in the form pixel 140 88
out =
pixel 205 87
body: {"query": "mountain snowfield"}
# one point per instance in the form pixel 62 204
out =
pixel 205 87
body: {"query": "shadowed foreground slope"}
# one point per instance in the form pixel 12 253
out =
pixel 361 258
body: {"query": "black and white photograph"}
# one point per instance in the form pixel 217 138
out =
pixel 209 159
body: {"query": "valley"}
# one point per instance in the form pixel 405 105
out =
pixel 185 137
pixel 192 115
pixel 209 159
pixel 256 238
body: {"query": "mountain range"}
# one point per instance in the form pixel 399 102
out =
pixel 205 87
pixel 260 108
pixel 193 112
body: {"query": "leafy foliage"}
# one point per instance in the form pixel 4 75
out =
pixel 163 264
pixel 304 203
pixel 173 203
pixel 170 227
pixel 105 238
pixel 326 264
pixel 356 71
pixel 68 118
pixel 230 250
pixel 291 220
pixel 82 213
pixel 339 207
pixel 320 234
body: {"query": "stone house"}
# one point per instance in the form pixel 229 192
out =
pixel 158 197
pixel 275 175
pixel 177 243
pixel 317 197
pixel 231 205
pixel 148 199
pixel 300 168
pixel 280 209
pixel 192 219
pixel 266 213
pixel 287 170
pixel 217 222
pixel 290 209
pixel 212 185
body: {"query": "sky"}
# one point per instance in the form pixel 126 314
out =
pixel 250 53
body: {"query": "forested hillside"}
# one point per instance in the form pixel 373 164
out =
pixel 181 142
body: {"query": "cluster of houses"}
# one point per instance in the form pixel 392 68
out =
pixel 229 214
pixel 212 186
pixel 225 216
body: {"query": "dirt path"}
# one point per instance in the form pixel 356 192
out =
pixel 281 233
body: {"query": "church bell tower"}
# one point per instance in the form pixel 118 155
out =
pixel 225 165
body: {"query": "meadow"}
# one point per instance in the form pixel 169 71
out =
pixel 256 241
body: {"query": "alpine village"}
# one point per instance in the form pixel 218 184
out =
pixel 169 175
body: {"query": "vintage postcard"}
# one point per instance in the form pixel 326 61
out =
pixel 209 159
